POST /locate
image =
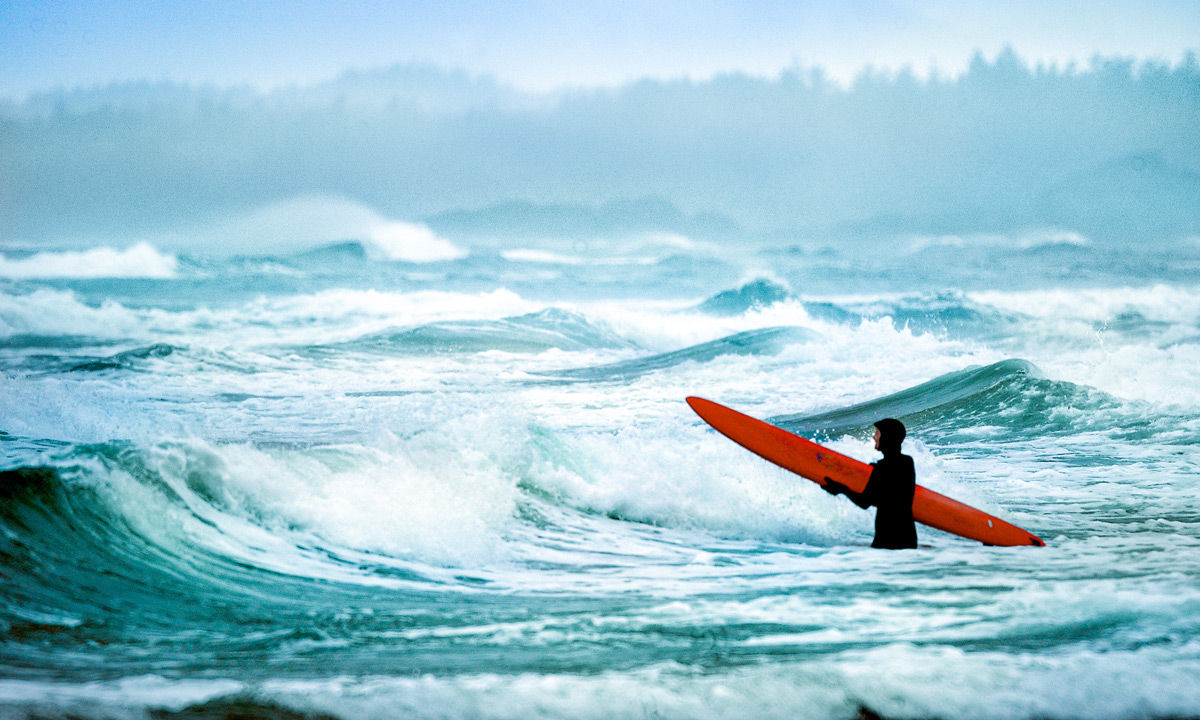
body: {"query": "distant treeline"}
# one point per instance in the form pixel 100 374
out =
pixel 1111 151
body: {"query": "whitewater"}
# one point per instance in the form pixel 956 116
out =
pixel 412 476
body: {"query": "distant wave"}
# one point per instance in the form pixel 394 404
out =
pixel 48 314
pixel 125 360
pixel 634 256
pixel 393 241
pixel 755 294
pixel 44 362
pixel 411 242
pixel 286 227
pixel 638 249
pixel 1011 394
pixel 945 312
pixel 544 257
pixel 1033 240
pixel 762 341
pixel 1159 303
pixel 930 313
pixel 533 332
pixel 138 261
pixel 347 251
pixel 941 391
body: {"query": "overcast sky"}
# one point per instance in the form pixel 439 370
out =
pixel 546 44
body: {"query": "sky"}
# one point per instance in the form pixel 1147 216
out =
pixel 543 45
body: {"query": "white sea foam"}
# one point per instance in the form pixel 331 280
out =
pixel 531 255
pixel 1166 303
pixel 896 680
pixel 268 508
pixel 411 242
pixel 893 680
pixel 1048 237
pixel 107 697
pixel 321 317
pixel 1141 343
pixel 697 484
pixel 307 222
pixel 644 249
pixel 437 498
pixel 138 261
pixel 336 315
pixel 61 312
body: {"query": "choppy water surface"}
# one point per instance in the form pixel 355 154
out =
pixel 332 484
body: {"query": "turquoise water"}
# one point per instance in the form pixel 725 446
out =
pixel 465 484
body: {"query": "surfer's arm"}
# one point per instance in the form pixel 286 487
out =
pixel 866 498
pixel 860 499
pixel 833 487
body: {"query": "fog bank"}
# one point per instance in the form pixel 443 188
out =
pixel 1111 152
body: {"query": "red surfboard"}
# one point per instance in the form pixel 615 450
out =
pixel 816 463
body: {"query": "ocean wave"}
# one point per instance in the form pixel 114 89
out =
pixel 301 223
pixel 1131 342
pixel 469 494
pixel 531 332
pixel 138 261
pixel 549 257
pixel 194 511
pixel 889 680
pixel 49 314
pixel 760 341
pixel 412 243
pixel 1011 394
pixel 333 315
pixel 67 358
pixel 947 390
pixel 387 241
pixel 125 360
pixel 338 252
pixel 944 313
pixel 1031 240
pixel 350 312
pixel 541 257
pixel 753 295
pixel 1100 306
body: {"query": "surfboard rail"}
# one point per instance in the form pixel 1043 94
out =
pixel 816 462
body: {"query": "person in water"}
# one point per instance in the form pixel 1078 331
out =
pixel 890 488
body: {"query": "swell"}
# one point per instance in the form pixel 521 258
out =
pixel 761 341
pixel 54 355
pixel 118 553
pixel 753 295
pixel 70 567
pixel 105 535
pixel 534 332
pixel 1011 395
pixel 126 360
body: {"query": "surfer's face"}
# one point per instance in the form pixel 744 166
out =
pixel 878 435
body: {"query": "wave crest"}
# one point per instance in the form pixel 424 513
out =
pixel 761 341
pixel 755 294
pixel 138 261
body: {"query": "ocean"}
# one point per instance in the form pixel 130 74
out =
pixel 453 478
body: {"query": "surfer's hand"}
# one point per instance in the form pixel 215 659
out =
pixel 833 487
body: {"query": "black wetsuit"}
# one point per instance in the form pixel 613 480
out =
pixel 891 487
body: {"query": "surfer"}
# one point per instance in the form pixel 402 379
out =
pixel 890 489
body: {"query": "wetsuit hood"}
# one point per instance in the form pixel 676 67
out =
pixel 891 435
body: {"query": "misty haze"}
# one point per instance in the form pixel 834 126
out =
pixel 1107 152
